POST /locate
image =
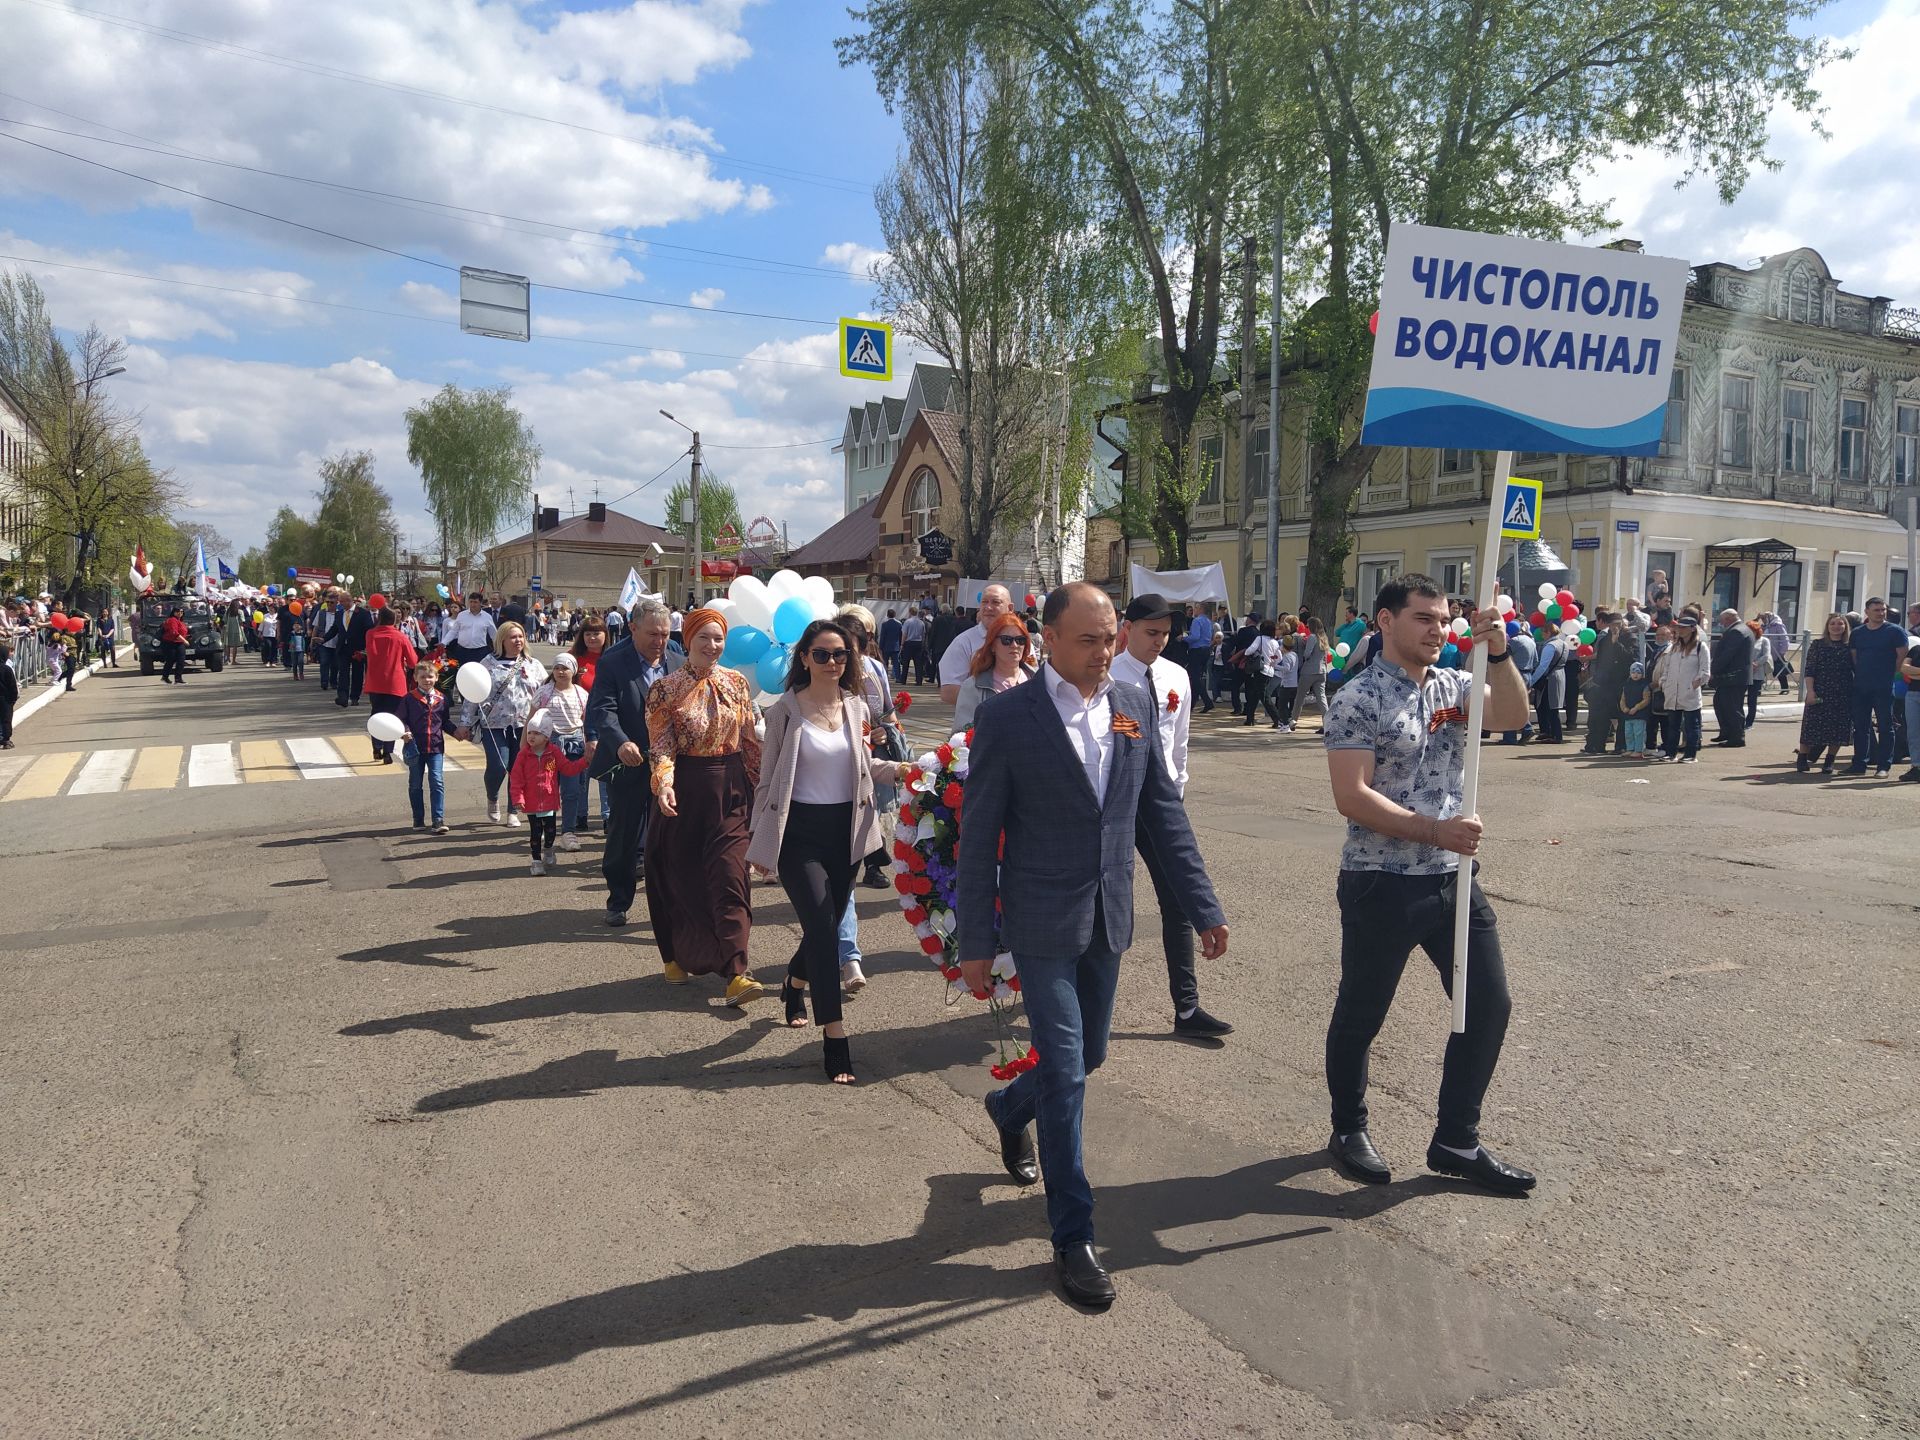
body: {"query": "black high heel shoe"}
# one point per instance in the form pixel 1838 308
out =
pixel 796 998
pixel 838 1058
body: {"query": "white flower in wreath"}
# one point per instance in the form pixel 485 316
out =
pixel 924 831
pixel 1002 968
pixel 943 922
pixel 1003 992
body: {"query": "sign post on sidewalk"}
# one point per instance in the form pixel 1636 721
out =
pixel 1490 342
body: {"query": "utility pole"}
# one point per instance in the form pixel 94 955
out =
pixel 693 495
pixel 1249 254
pixel 1274 431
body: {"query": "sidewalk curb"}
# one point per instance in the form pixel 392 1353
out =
pixel 27 709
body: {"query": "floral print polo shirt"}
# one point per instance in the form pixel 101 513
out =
pixel 1418 736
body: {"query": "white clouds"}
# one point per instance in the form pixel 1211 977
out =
pixel 859 261
pixel 1848 195
pixel 580 68
pixel 708 298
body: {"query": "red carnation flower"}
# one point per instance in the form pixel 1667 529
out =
pixel 919 884
pixel 1173 701
pixel 933 945
pixel 903 701
pixel 944 754
pixel 1001 1072
pixel 1013 983
pixel 952 795
pixel 916 862
pixel 916 915
pixel 903 883
pixel 951 972
pixel 969 734
pixel 901 849
pixel 982 995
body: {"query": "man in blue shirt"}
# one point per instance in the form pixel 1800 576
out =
pixel 1877 649
pixel 1200 655
pixel 890 646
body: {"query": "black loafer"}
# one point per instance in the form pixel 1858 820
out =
pixel 1357 1157
pixel 1483 1169
pixel 1016 1149
pixel 1202 1024
pixel 1083 1277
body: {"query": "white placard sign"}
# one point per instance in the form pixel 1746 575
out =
pixel 1487 342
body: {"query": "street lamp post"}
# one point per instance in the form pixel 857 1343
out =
pixel 693 500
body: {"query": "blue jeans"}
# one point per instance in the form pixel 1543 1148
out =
pixel 425 767
pixel 573 788
pixel 1070 1008
pixel 501 747
pixel 1872 729
pixel 849 933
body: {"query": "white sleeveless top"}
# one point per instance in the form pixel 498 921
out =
pixel 823 768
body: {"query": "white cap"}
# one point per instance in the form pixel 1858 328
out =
pixel 542 721
pixel 565 661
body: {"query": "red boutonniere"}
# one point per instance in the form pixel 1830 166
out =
pixel 1126 725
pixel 1173 701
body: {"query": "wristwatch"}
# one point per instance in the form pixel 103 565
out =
pixel 1493 659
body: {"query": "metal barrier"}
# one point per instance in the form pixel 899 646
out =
pixel 30 663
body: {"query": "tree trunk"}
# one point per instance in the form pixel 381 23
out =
pixel 1330 533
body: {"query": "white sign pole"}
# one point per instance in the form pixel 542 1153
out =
pixel 1489 588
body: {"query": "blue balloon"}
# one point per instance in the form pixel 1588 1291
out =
pixel 1513 627
pixel 293 573
pixel 745 646
pixel 772 670
pixel 790 621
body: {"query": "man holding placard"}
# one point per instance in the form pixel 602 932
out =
pixel 1397 740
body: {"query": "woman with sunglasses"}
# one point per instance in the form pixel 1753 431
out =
pixel 814 818
pixel 999 664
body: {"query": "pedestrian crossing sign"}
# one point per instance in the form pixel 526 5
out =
pixel 1520 511
pixel 866 349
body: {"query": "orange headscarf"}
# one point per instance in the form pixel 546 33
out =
pixel 691 623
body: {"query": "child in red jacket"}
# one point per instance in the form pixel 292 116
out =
pixel 533 784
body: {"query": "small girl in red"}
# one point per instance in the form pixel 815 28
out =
pixel 533 784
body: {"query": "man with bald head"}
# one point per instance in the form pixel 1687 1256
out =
pixel 1732 660
pixel 1064 773
pixel 995 601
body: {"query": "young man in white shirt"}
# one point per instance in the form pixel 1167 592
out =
pixel 1143 636
pixel 995 601
pixel 470 633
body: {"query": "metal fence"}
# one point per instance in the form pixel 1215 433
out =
pixel 30 663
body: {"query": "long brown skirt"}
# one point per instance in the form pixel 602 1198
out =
pixel 697 892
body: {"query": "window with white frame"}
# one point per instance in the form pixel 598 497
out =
pixel 1736 421
pixel 866 455
pixel 1450 571
pixel 1786 594
pixel 1374 574
pixel 1906 445
pixel 1897 594
pixel 1846 587
pixel 1853 441
pixel 1459 462
pixel 1673 430
pixel 1796 416
pixel 1803 300
pixel 1262 448
pixel 923 504
pixel 1212 458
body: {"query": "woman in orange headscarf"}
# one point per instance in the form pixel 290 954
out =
pixel 706 763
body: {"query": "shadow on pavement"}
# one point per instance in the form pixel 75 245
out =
pixel 474 934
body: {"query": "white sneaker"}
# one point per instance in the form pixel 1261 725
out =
pixel 852 977
pixel 514 820
pixel 569 841
pixel 538 867
pixel 493 811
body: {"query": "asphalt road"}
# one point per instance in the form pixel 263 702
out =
pixel 319 1126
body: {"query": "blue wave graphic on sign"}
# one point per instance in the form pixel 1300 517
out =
pixel 1416 417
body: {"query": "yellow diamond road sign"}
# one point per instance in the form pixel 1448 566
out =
pixel 1520 510
pixel 866 349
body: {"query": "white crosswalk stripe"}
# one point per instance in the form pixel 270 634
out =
pixel 212 765
pixel 317 759
pixel 105 772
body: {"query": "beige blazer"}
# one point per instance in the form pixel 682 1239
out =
pixel 780 754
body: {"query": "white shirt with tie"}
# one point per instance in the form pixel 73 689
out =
pixel 1089 726
pixel 1166 685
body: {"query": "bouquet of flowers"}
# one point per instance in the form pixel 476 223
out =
pixel 926 874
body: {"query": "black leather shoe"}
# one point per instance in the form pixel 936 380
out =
pixel 1083 1277
pixel 1201 1023
pixel 1357 1157
pixel 1016 1148
pixel 1482 1169
pixel 616 917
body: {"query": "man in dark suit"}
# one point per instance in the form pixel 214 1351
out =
pixel 1732 660
pixel 1067 768
pixel 617 718
pixel 350 665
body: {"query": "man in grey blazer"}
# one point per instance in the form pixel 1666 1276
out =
pixel 617 718
pixel 1066 767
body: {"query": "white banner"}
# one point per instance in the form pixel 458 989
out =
pixel 1488 342
pixel 631 591
pixel 1209 582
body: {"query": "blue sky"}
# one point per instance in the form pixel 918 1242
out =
pixel 243 393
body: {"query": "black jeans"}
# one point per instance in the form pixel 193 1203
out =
pixel 173 660
pixel 349 675
pixel 817 873
pixel 383 705
pixel 1872 729
pixel 1200 675
pixel 1754 687
pixel 1548 716
pixel 1176 930
pixel 632 801
pixel 540 833
pixel 1730 711
pixel 1382 917
pixel 1603 709
pixel 914 654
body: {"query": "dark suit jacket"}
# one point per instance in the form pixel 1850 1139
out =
pixel 1069 858
pixel 357 630
pixel 617 704
pixel 1733 657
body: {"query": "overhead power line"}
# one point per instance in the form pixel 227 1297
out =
pixel 753 264
pixel 333 72
pixel 402 254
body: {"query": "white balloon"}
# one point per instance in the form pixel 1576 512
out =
pixel 1503 605
pixel 349 580
pixel 751 603
pixel 824 610
pixel 723 607
pixel 473 681
pixel 784 585
pixel 1462 626
pixel 819 589
pixel 1548 590
pixel 386 727
pixel 340 578
pixel 1343 648
pixel 1569 628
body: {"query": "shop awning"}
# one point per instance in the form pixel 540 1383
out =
pixel 1750 552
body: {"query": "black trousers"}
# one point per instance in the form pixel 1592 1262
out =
pixel 630 801
pixel 349 674
pixel 173 660
pixel 1730 710
pixel 6 720
pixel 1603 708
pixel 1382 917
pixel 383 705
pixel 540 832
pixel 914 654
pixel 1547 714
pixel 818 875
pixel 1176 931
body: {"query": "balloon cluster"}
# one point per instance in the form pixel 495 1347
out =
pixel 1559 615
pixel 765 620
pixel 66 624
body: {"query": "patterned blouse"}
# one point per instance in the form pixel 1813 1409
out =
pixel 1418 736
pixel 689 714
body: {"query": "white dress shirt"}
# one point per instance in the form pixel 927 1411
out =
pixel 956 659
pixel 1089 726
pixel 470 630
pixel 1168 682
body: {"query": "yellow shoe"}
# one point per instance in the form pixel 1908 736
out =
pixel 743 988
pixel 675 975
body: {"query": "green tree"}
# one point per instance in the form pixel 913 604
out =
pixel 353 528
pixel 1488 116
pixel 719 508
pixel 477 461
pixel 290 545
